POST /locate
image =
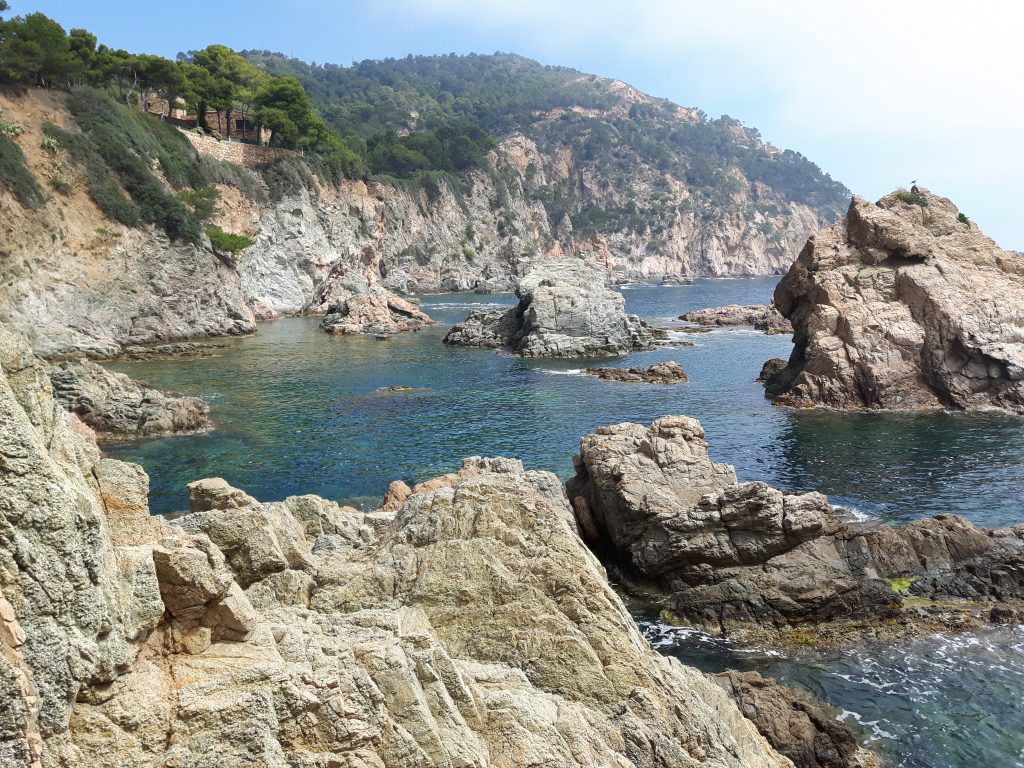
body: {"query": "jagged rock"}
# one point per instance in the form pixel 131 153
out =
pixel 764 317
pixel 216 493
pixel 678 280
pixel 747 558
pixel 191 349
pixel 475 629
pixel 564 310
pixel 904 305
pixel 115 405
pixel 804 730
pixel 770 368
pixel 374 313
pixel 668 372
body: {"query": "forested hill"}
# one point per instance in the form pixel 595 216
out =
pixel 605 121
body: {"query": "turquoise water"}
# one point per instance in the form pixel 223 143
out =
pixel 298 411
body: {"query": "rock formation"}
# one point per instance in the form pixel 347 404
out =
pixel 904 305
pixel 764 317
pixel 564 310
pixel 465 625
pixel 806 731
pixel 376 312
pixel 116 406
pixel 668 372
pixel 770 368
pixel 749 559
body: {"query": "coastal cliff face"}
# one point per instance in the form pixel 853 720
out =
pixel 463 624
pixel 904 305
pixel 72 280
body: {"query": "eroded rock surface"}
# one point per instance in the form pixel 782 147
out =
pixel 746 558
pixel 806 731
pixel 668 372
pixel 564 310
pixel 904 305
pixel 764 317
pixel 465 625
pixel 117 406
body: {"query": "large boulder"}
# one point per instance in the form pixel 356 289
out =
pixel 904 305
pixel 374 312
pixel 117 406
pixel 749 559
pixel 564 310
pixel 465 625
pixel 764 317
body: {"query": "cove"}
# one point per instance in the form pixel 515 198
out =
pixel 298 411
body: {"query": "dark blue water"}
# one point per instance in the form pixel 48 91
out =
pixel 298 411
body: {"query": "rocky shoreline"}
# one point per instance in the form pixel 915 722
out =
pixel 753 562
pixel 668 372
pixel 763 317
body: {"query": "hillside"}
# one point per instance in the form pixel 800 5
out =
pixel 422 175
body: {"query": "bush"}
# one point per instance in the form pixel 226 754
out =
pixel 911 198
pixel 962 218
pixel 16 176
pixel 227 241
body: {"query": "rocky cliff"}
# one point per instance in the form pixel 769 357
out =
pixel 72 280
pixel 905 304
pixel 464 624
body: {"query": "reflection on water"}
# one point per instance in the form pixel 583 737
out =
pixel 299 411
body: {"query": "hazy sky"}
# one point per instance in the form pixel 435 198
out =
pixel 876 93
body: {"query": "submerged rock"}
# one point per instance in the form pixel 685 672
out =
pixel 115 405
pixel 904 305
pixel 466 626
pixel 378 313
pixel 564 310
pixel 668 372
pixel 764 317
pixel 749 559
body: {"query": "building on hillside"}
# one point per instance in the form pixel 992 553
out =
pixel 234 125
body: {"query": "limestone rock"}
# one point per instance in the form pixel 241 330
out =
pixel 763 317
pixel 668 372
pixel 745 557
pixel 564 310
pixel 216 493
pixel 116 406
pixel 904 305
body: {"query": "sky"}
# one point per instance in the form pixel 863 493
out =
pixel 876 93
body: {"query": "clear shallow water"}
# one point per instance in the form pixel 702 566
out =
pixel 298 411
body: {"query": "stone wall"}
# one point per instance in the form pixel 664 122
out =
pixel 249 155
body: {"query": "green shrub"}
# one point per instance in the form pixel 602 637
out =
pixel 201 202
pixel 227 241
pixel 16 176
pixel 962 218
pixel 912 198
pixel 9 129
pixel 286 177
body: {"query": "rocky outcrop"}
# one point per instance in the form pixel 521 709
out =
pixel 806 731
pixel 467 625
pixel 750 560
pixel 376 313
pixel 764 317
pixel 564 310
pixel 668 372
pixel 116 406
pixel 904 305
pixel 770 368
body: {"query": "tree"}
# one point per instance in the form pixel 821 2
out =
pixel 242 77
pixel 82 49
pixel 34 49
pixel 162 76
pixel 284 107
